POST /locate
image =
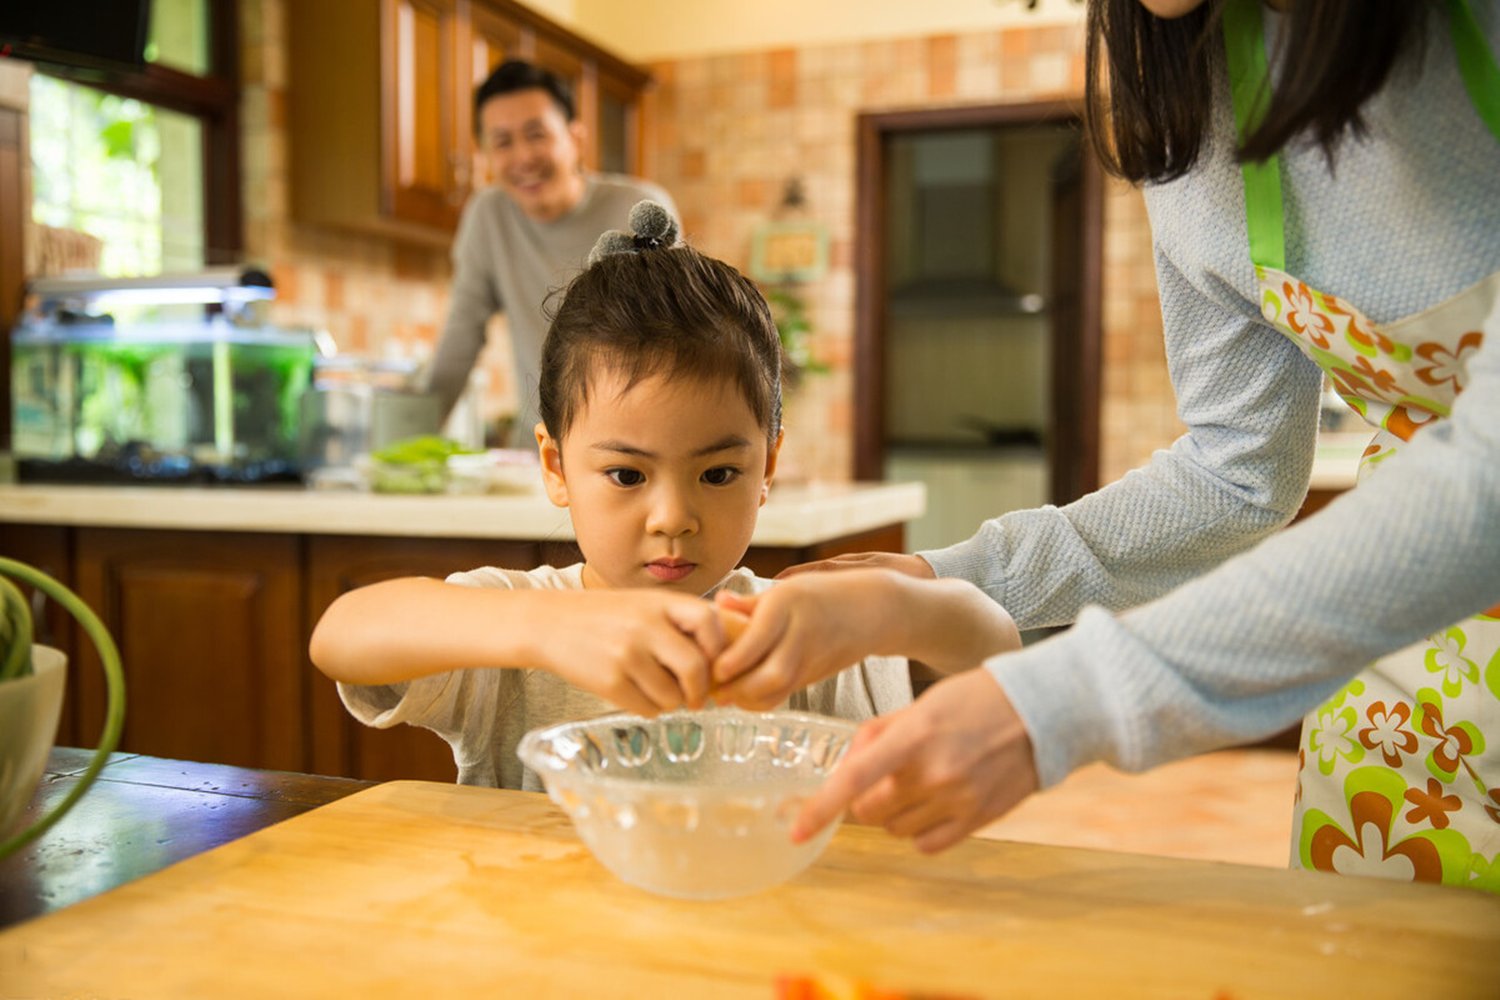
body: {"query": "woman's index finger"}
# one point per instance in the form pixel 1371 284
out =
pixel 861 768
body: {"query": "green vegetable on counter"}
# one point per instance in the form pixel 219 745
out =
pixel 415 450
pixel 414 465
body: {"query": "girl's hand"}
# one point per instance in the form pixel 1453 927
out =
pixel 800 631
pixel 646 651
pixel 936 771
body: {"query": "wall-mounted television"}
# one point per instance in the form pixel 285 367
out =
pixel 90 34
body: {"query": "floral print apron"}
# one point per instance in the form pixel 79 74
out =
pixel 1399 771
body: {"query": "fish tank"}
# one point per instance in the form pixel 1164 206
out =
pixel 165 379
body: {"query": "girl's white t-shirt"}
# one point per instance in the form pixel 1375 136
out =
pixel 483 714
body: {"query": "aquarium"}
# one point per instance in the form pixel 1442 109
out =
pixel 205 399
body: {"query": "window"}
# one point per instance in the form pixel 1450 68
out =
pixel 125 172
pixel 145 164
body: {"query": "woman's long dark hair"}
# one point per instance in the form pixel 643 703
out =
pixel 1150 80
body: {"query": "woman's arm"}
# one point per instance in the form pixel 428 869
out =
pixel 812 626
pixel 1250 647
pixel 949 625
pixel 1250 400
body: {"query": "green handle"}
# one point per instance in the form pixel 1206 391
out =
pixel 114 676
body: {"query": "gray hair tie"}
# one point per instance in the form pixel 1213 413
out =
pixel 652 228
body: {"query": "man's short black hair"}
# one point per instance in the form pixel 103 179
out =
pixel 516 74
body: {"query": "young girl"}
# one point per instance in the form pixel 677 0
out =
pixel 660 399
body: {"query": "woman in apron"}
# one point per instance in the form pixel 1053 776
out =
pixel 1360 242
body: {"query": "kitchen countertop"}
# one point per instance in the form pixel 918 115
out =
pixel 409 887
pixel 145 813
pixel 795 515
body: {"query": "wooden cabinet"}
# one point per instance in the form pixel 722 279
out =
pixel 422 101
pixel 380 106
pixel 49 549
pixel 338 563
pixel 210 632
pixel 492 40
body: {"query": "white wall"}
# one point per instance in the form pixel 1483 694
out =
pixel 564 12
pixel 647 30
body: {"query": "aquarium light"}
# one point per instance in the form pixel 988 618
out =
pixel 227 285
pixel 177 296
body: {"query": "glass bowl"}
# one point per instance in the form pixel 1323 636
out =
pixel 692 804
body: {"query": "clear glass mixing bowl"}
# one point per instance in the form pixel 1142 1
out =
pixel 693 804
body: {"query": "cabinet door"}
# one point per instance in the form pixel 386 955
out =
pixel 336 563
pixel 48 548
pixel 492 40
pixel 616 132
pixel 424 164
pixel 209 627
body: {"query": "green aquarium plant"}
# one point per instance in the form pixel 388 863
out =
pixel 29 731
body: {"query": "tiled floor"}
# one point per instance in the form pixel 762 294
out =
pixel 1234 805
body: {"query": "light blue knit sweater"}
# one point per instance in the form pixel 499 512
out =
pixel 1198 623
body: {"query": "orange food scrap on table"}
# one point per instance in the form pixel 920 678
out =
pixel 838 988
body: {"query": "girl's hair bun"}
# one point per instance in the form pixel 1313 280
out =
pixel 613 241
pixel 652 226
pixel 651 221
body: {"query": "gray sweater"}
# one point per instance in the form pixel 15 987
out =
pixel 504 259
pixel 1198 622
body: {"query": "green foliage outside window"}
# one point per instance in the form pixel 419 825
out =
pixel 100 166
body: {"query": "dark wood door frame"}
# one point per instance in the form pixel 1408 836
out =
pixel 1074 447
pixel 15 196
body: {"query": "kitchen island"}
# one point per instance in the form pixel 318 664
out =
pixel 212 594
pixel 146 813
pixel 794 518
pixel 388 890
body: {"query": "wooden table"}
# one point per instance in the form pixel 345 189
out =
pixel 419 889
pixel 141 815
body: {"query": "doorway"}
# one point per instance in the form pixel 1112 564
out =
pixel 977 329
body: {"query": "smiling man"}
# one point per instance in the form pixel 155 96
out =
pixel 530 233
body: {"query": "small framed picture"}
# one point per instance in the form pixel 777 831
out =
pixel 789 251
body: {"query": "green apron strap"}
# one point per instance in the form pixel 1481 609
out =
pixel 1245 47
pixel 1476 62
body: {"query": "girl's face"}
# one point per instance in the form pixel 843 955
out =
pixel 663 480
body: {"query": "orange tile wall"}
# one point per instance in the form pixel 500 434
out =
pixel 726 132
pixel 723 134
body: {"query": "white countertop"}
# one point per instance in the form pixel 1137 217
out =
pixel 794 516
